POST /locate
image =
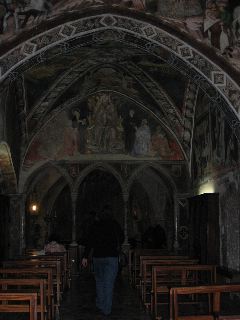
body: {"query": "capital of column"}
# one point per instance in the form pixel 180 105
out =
pixel 74 196
pixel 17 196
pixel 125 196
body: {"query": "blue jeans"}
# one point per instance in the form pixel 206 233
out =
pixel 105 270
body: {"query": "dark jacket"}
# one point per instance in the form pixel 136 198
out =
pixel 105 239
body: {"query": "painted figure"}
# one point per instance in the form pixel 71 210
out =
pixel 142 139
pixel 160 146
pixel 80 126
pixel 130 126
pixel 216 24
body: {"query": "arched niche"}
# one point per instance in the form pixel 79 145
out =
pixel 151 203
pixel 99 188
pixel 139 30
pixel 43 187
pixel 8 181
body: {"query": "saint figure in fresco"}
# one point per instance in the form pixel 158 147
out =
pixel 130 126
pixel 160 145
pixel 142 139
pixel 80 124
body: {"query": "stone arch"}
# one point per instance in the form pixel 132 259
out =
pixel 99 166
pixel 51 115
pixel 38 171
pixel 163 214
pixel 119 27
pixel 167 179
pixel 7 171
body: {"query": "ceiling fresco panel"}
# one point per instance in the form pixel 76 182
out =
pixel 102 125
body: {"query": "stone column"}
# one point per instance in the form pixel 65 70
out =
pixel 125 201
pixel 176 216
pixel 74 197
pixel 16 225
pixel 73 248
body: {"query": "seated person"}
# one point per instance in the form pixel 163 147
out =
pixel 53 245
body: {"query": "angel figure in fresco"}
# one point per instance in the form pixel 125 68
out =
pixel 142 142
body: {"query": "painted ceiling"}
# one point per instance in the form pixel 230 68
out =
pixel 84 93
pixel 73 100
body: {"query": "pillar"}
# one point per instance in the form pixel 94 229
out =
pixel 74 197
pixel 176 216
pixel 16 225
pixel 73 249
pixel 125 202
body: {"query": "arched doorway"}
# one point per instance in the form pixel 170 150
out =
pixel 98 189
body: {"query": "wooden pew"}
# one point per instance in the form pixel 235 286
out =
pixel 42 263
pixel 151 256
pixel 62 256
pixel 30 273
pixel 133 259
pixel 166 277
pixel 145 276
pixel 26 286
pixel 214 308
pixel 30 305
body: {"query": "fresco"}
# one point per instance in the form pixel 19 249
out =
pixel 42 76
pixel 213 22
pixel 201 149
pixel 102 124
pixel 215 147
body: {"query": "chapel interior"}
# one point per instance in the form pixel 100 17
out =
pixel 129 104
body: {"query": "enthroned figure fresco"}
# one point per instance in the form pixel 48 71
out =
pixel 102 125
pixel 105 130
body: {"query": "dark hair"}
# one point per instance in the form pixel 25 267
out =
pixel 92 213
pixel 106 213
pixel 53 237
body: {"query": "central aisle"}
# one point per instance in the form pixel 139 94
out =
pixel 79 302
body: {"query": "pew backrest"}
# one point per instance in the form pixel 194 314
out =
pixel 215 303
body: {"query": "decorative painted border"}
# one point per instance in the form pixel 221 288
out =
pixel 155 37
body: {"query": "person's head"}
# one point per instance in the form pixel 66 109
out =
pixel 131 112
pixel 106 213
pixel 53 237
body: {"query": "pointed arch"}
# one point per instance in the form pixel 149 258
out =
pixel 7 171
pixel 99 166
pixel 132 28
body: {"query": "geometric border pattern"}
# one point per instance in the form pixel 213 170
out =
pixel 124 25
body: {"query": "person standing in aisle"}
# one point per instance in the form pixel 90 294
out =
pixel 104 241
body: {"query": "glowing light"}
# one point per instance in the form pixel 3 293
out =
pixel 207 187
pixel 34 208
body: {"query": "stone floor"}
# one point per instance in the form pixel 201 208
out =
pixel 79 302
